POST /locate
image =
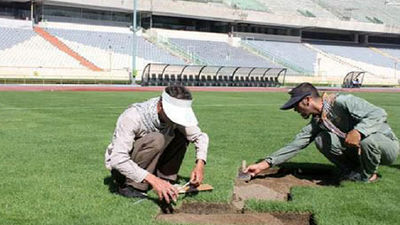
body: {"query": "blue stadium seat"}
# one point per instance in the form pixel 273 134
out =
pixel 221 53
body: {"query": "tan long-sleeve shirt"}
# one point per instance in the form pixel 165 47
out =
pixel 130 127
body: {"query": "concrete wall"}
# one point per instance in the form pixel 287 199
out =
pixel 41 74
pixel 267 37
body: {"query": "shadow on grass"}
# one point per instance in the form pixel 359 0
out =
pixel 112 186
pixel 182 179
pixel 326 174
pixel 397 166
pixel 166 208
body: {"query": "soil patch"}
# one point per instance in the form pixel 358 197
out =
pixel 273 184
pixel 206 208
pixel 229 218
pixel 212 213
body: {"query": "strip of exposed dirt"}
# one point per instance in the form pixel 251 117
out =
pixel 273 184
pixel 232 218
pixel 207 208
pixel 214 213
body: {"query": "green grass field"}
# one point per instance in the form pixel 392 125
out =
pixel 52 153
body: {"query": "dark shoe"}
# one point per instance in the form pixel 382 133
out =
pixel 354 176
pixel 131 192
pixel 344 174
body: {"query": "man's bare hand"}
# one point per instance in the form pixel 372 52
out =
pixel 197 175
pixel 163 188
pixel 353 138
pixel 255 169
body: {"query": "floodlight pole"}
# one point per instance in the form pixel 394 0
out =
pixel 32 20
pixel 134 39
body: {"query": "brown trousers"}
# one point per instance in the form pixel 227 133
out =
pixel 154 154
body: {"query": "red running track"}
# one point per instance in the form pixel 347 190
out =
pixel 160 88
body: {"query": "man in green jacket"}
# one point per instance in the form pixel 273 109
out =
pixel 351 132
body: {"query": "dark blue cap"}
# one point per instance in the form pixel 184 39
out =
pixel 298 93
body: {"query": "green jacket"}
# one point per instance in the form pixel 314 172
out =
pixel 348 112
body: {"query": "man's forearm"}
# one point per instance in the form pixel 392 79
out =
pixel 128 168
pixel 200 162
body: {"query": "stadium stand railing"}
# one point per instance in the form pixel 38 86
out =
pixel 358 53
pixel 295 55
pixel 59 75
pixel 362 58
pixel 327 54
pixel 220 53
pixel 164 42
pixel 292 68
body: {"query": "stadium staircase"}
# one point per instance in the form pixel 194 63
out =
pixel 174 49
pixel 273 58
pixel 63 47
